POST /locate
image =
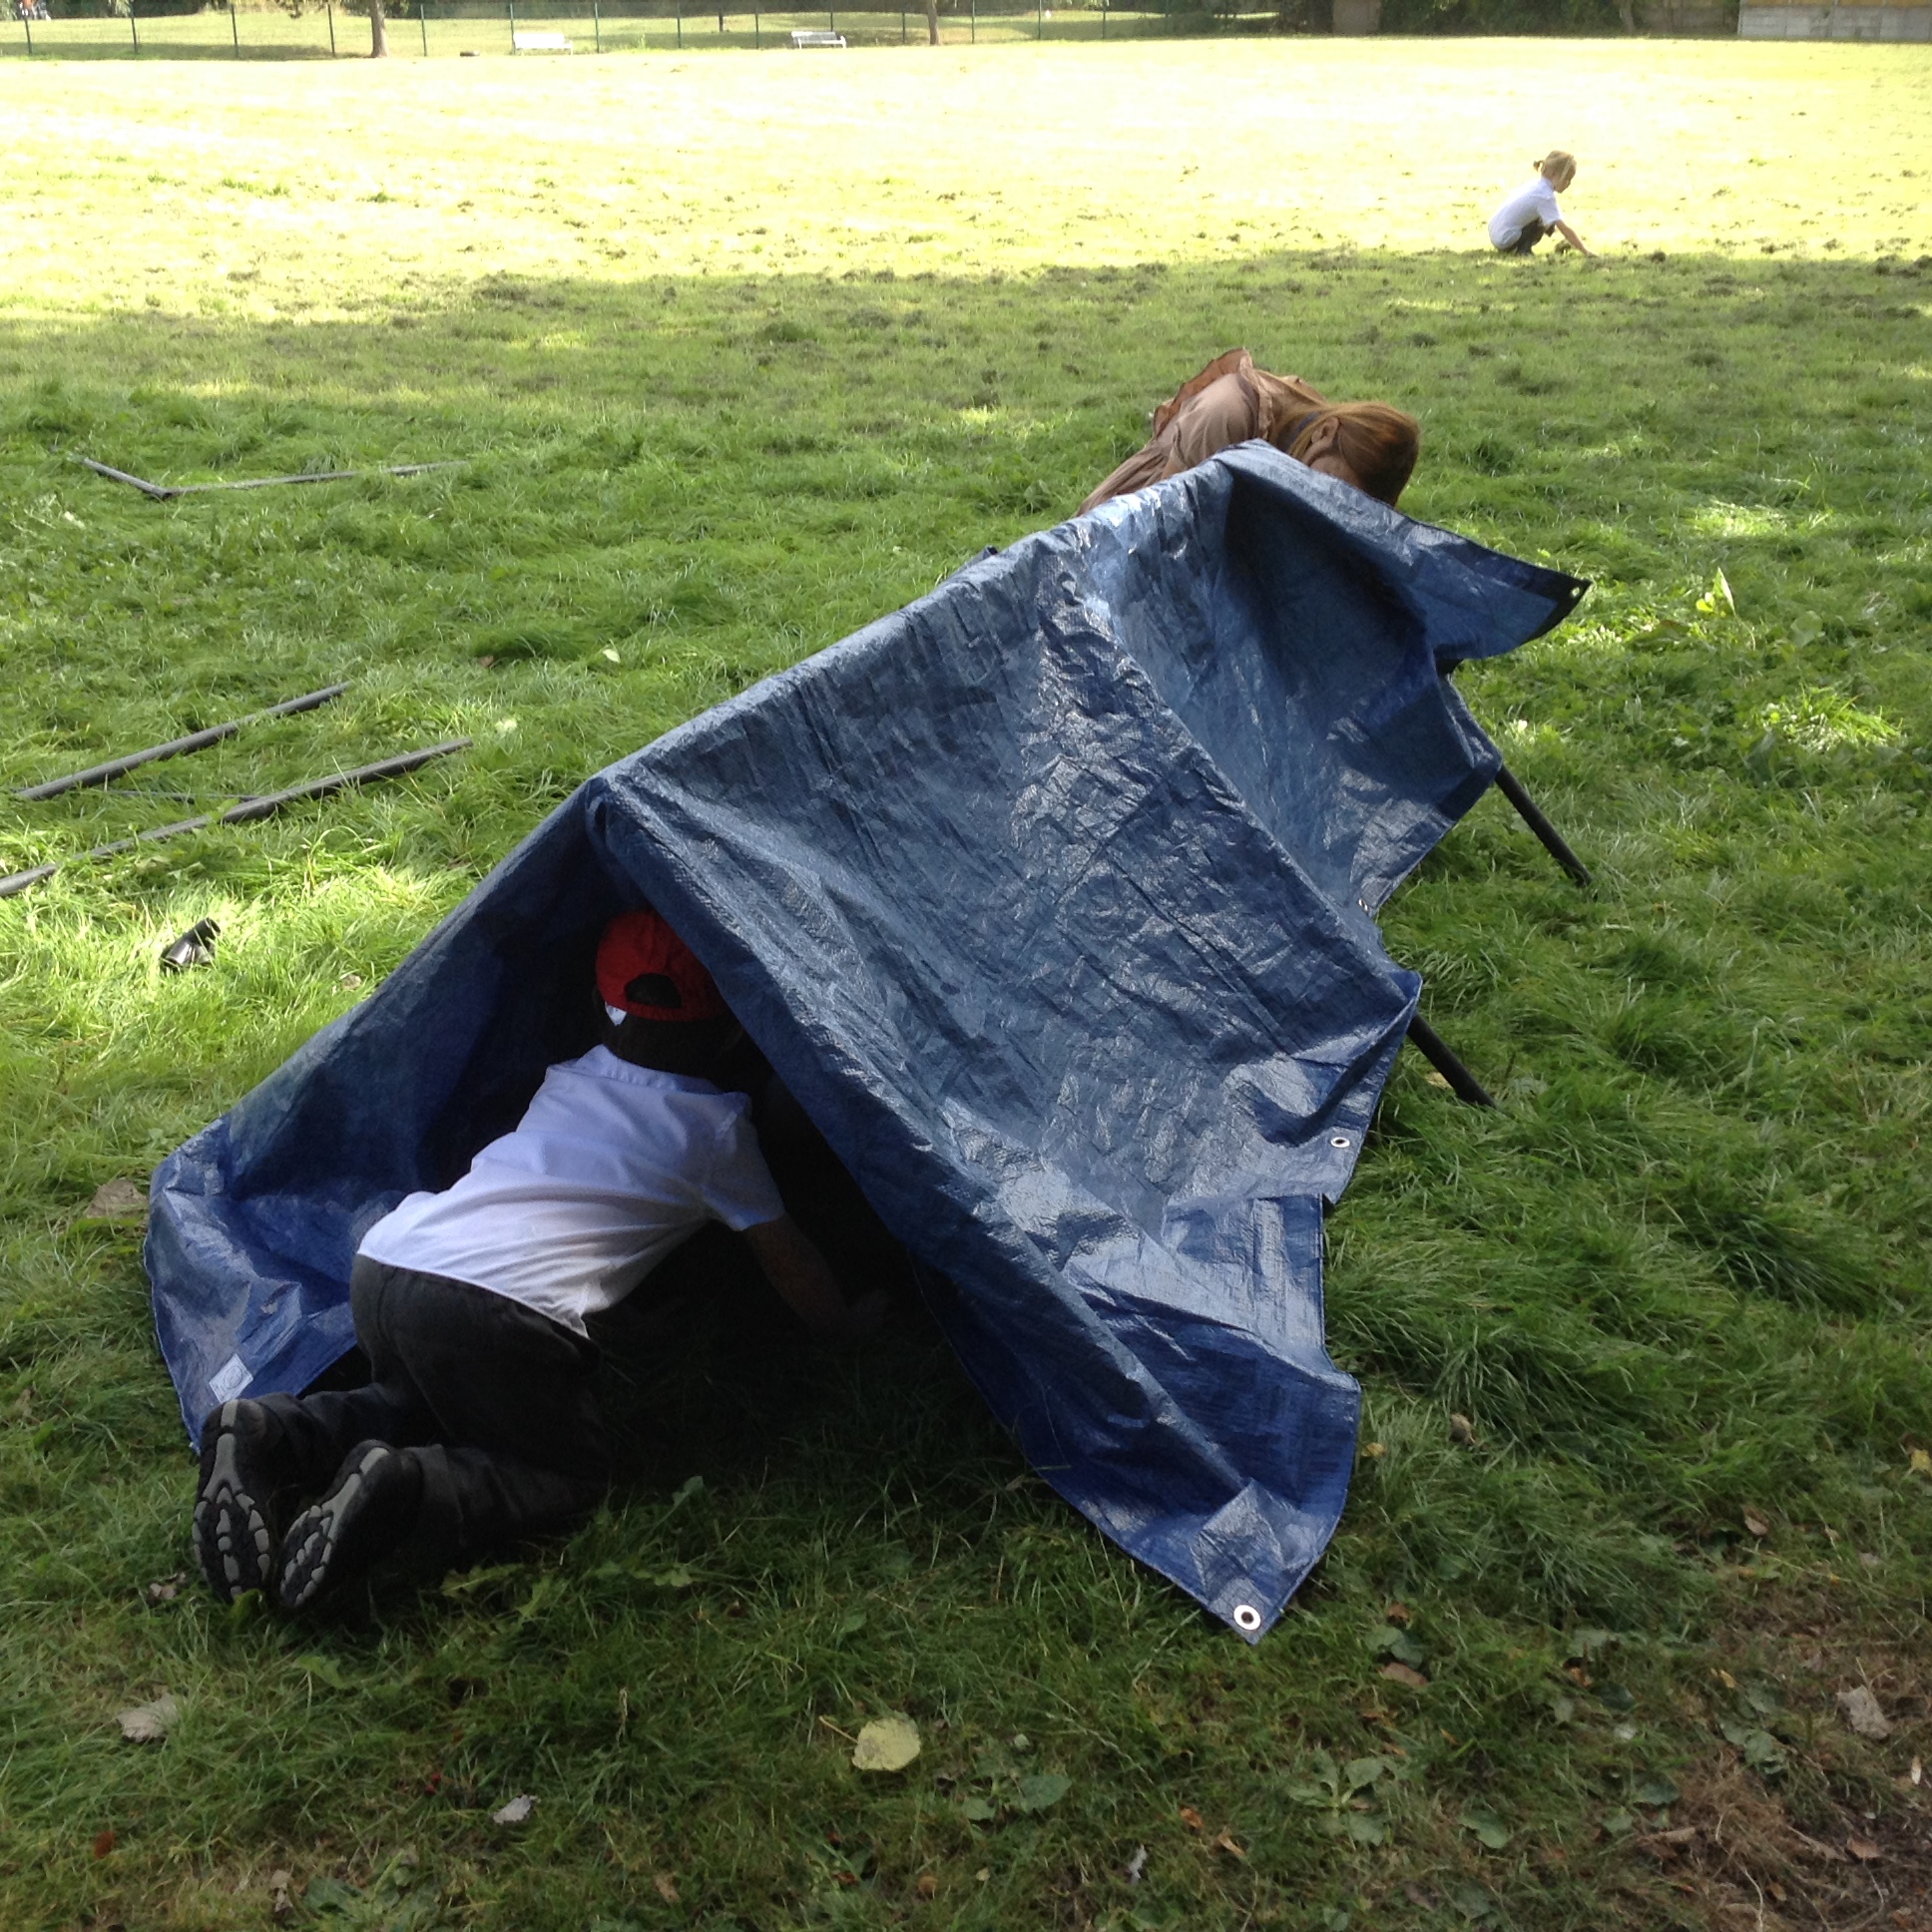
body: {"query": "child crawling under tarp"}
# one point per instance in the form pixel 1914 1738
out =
pixel 481 1424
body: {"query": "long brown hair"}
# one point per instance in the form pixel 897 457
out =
pixel 1376 440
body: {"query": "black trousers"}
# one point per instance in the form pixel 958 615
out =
pixel 1533 232
pixel 498 1401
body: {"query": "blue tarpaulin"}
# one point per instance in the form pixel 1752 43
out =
pixel 1052 899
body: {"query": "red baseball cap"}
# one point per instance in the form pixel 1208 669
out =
pixel 642 967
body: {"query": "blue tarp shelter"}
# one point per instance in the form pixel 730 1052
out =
pixel 1052 898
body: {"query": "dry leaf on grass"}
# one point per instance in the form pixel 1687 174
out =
pixel 1862 1849
pixel 1755 1524
pixel 886 1744
pixel 1192 1818
pixel 667 1887
pixel 1462 1431
pixel 1227 1843
pixel 1404 1673
pixel 519 1809
pixel 927 1885
pixel 1136 1867
pixel 148 1723
pixel 279 1903
pixel 117 1201
pixel 104 1842
pixel 163 1590
pixel 1862 1714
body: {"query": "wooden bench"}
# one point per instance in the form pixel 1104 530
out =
pixel 540 43
pixel 814 37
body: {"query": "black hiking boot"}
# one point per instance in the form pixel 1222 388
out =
pixel 247 1481
pixel 368 1512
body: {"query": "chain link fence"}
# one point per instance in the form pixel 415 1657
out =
pixel 537 29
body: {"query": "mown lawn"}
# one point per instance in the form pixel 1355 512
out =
pixel 741 353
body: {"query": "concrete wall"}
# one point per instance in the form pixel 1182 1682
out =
pixel 1835 23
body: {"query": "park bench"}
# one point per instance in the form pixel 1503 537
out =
pixel 814 37
pixel 540 43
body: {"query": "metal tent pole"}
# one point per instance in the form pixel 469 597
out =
pixel 1435 1050
pixel 1554 842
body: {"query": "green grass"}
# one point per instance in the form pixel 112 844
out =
pixel 744 354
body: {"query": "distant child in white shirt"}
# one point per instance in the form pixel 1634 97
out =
pixel 481 1424
pixel 1532 212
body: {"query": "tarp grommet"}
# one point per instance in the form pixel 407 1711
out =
pixel 1247 1616
pixel 1340 1141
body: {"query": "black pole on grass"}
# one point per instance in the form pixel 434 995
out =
pixel 422 23
pixel 234 30
pixel 242 813
pixel 133 29
pixel 596 29
pixel 1530 813
pixel 329 7
pixel 1435 1050
pixel 27 21
pixel 175 747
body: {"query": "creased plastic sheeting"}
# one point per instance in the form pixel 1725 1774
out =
pixel 1050 898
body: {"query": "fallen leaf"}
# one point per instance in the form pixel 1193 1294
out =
pixel 1398 1613
pixel 1192 1818
pixel 117 1201
pixel 1919 1463
pixel 612 655
pixel 279 1903
pixel 1374 1449
pixel 978 1810
pixel 1136 1867
pixel 1462 1431
pixel 519 1809
pixel 104 1842
pixel 1918 1770
pixel 1655 1791
pixel 1755 1524
pixel 1041 1790
pixel 1402 1674
pixel 1227 1843
pixel 1861 1713
pixel 667 1887
pixel 1488 1828
pixel 486 661
pixel 1862 1849
pixel 927 1885
pixel 148 1723
pixel 163 1590
pixel 886 1744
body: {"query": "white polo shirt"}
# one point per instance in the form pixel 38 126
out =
pixel 1506 225
pixel 610 1169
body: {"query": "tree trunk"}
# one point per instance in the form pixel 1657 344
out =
pixel 932 23
pixel 378 31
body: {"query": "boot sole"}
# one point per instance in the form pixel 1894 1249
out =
pixel 315 1538
pixel 234 1537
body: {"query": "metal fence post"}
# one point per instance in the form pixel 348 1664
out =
pixel 27 21
pixel 681 22
pixel 831 20
pixel 329 8
pixel 132 28
pixel 1040 26
pixel 511 5
pixel 1103 19
pixel 235 32
pixel 422 23
pixel 902 26
pixel 972 23
pixel 596 29
pixel 758 29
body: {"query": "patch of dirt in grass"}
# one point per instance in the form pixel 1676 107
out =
pixel 1842 1836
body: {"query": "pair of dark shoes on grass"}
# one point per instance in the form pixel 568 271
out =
pixel 249 1483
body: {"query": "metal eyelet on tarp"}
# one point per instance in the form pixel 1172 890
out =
pixel 1247 1616
pixel 1339 1141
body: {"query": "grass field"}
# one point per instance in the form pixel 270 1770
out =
pixel 741 354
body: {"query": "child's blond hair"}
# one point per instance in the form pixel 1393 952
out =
pixel 1557 168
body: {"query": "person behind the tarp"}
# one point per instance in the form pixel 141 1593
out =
pixel 482 1424
pixel 1371 445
